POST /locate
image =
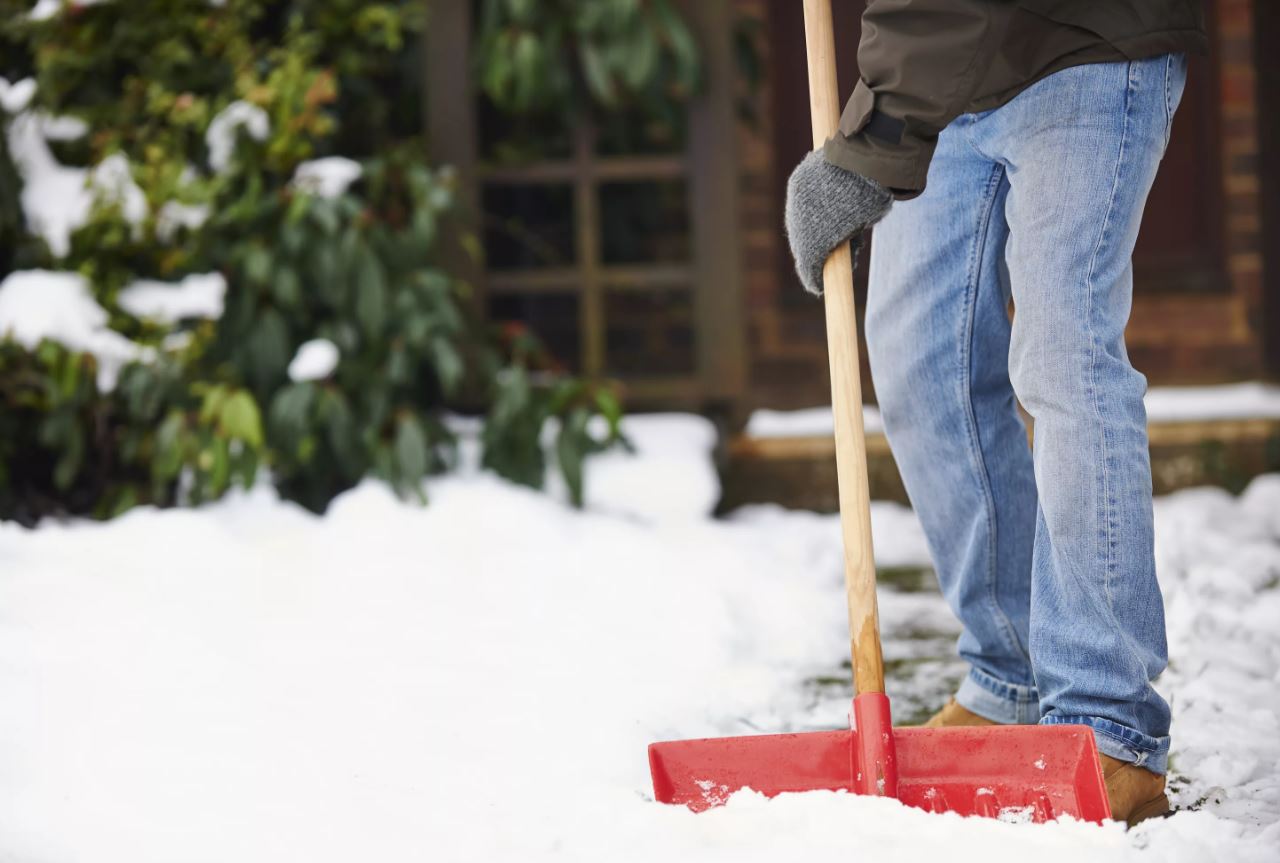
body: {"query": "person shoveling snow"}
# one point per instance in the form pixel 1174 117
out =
pixel 1020 141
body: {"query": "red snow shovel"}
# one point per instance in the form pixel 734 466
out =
pixel 1025 772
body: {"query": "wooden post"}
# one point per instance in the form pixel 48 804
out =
pixel 451 127
pixel 718 299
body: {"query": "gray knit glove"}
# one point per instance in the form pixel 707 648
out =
pixel 826 206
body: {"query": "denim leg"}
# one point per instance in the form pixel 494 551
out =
pixel 1082 147
pixel 938 339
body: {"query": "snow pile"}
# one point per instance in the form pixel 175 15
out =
pixel 670 477
pixel 326 178
pixel 478 679
pixel 1219 560
pixel 39 304
pixel 196 296
pixel 314 360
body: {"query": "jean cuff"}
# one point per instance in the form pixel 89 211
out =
pixel 1121 742
pixel 992 698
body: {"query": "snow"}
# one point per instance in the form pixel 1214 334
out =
pixel 1250 400
pixel 674 452
pixel 15 97
pixel 173 215
pixel 63 128
pixel 476 680
pixel 199 295
pixel 220 137
pixel 314 360
pixel 112 180
pixel 46 9
pixel 39 304
pixel 57 199
pixel 328 177
pixel 806 422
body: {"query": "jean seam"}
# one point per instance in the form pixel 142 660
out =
pixel 1107 531
pixel 968 138
pixel 1007 630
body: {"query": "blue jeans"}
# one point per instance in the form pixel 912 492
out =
pixel 1045 553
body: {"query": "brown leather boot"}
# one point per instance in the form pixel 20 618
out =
pixel 953 715
pixel 1134 792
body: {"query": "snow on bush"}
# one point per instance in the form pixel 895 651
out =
pixel 46 9
pixel 173 215
pixel 196 296
pixel 220 137
pixel 38 304
pixel 56 199
pixel 17 96
pixel 326 178
pixel 315 359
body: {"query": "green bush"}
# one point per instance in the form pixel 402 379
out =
pixel 68 447
pixel 360 269
pixel 558 55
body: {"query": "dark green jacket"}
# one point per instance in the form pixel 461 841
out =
pixel 925 62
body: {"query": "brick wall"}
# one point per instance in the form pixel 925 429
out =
pixel 1175 338
pixel 1241 180
pixel 786 338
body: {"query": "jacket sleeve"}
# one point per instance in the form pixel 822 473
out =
pixel 919 62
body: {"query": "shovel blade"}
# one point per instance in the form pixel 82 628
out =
pixel 1020 772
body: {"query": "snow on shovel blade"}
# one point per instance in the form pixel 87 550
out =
pixel 1018 772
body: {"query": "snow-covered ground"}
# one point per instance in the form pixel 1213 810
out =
pixel 478 679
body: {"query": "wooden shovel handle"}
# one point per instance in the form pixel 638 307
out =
pixel 846 379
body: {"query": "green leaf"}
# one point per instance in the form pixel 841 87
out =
pixel 572 444
pixel 326 273
pixel 219 472
pixel 289 413
pixel 599 78
pixel 412 453
pixel 371 294
pixel 167 460
pixel 325 215
pixel 609 406
pixel 267 351
pixel 642 58
pixel 120 501
pixel 240 419
pixel 448 364
pixel 211 404
pixel 286 288
pixel 257 265
pixel 69 464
